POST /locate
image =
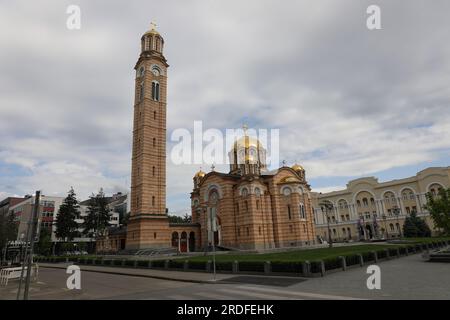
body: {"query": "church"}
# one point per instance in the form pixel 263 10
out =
pixel 251 208
pixel 247 208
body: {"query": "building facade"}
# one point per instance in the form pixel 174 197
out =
pixel 251 208
pixel 369 209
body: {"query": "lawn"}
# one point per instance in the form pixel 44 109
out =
pixel 309 254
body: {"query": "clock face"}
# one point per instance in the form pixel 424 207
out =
pixel 155 72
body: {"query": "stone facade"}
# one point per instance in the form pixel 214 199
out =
pixel 368 209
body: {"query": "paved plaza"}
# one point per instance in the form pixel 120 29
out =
pixel 405 278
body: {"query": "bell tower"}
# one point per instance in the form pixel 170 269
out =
pixel 148 226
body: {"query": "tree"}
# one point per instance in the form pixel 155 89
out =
pixel 45 242
pixel 8 230
pixel 415 227
pixel 175 219
pixel 439 208
pixel 66 226
pixel 98 217
pixel 187 218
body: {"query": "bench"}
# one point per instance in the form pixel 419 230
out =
pixel 7 274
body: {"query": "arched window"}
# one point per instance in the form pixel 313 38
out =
pixel 302 211
pixel 153 200
pixel 289 211
pixel 154 115
pixel 155 90
pixel 286 191
pixel 141 71
pixel 153 171
pixel 257 191
pixel 391 226
pixel 154 142
pixel 365 202
pixel 244 192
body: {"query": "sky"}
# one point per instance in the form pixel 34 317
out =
pixel 348 101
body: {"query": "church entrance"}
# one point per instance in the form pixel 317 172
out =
pixel 183 242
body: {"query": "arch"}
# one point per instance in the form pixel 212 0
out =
pixel 428 189
pixel 257 191
pixel 155 90
pixel 243 192
pixel 210 188
pixel 175 239
pixel 285 188
pixel 360 191
pixel 183 242
pixel 387 191
pixel 191 241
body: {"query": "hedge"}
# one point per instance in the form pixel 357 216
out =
pixel 291 267
pixel 352 260
pixel 316 267
pixel 197 265
pixel 332 263
pixel 143 263
pixel 107 262
pixel 158 264
pixel 176 264
pixel 257 266
pixel 129 263
pixel 225 266
pixel 382 254
pixel 117 262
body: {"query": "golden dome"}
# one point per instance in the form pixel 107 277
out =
pixel 297 167
pixel 247 142
pixel 200 174
pixel 152 30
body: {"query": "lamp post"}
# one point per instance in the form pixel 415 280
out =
pixel 326 207
pixel 385 226
pixel 396 211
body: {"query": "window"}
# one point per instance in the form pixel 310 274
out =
pixel 153 200
pixel 155 90
pixel 286 191
pixel 391 226
pixel 259 230
pixel 291 229
pixel 302 211
pixel 257 204
pixel 244 192
pixel 154 115
pixel 289 211
pixel 154 142
pixel 153 171
pixel 365 202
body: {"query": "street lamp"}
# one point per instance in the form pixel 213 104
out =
pixel 326 207
pixel 396 211
pixel 385 226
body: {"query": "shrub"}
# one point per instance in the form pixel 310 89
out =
pixel 392 252
pixel 129 263
pixel 107 262
pixel 117 262
pixel 176 264
pixel 404 250
pixel 143 263
pixel 332 263
pixel 224 266
pixel 158 264
pixel 316 267
pixel 381 254
pixel 197 265
pixel 286 266
pixel 368 256
pixel 257 266
pixel 352 260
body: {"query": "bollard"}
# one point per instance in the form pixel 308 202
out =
pixel 166 264
pixel 387 254
pixel 209 266
pixel 375 256
pixel 322 268
pixel 235 267
pixel 361 260
pixel 267 267
pixel 150 264
pixel 343 263
pixel 186 265
pixel 306 268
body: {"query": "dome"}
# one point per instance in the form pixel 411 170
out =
pixel 152 30
pixel 247 142
pixel 200 174
pixel 297 167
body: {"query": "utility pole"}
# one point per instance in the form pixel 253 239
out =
pixel 28 258
pixel 213 224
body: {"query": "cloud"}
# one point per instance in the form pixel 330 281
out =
pixel 348 101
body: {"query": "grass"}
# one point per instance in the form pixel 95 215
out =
pixel 310 254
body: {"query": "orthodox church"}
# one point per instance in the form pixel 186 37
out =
pixel 251 208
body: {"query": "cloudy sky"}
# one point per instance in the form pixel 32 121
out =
pixel 348 101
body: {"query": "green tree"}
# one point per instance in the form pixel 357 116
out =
pixel 66 226
pixel 98 215
pixel 415 227
pixel 439 208
pixel 8 230
pixel 175 219
pixel 44 245
pixel 187 218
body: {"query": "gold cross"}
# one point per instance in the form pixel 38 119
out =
pixel 152 26
pixel 245 127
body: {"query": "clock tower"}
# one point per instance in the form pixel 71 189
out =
pixel 148 226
